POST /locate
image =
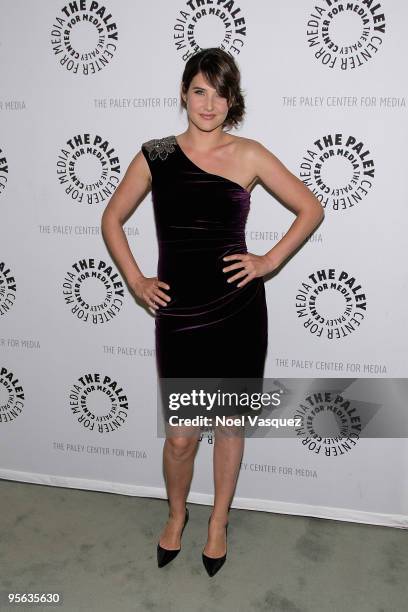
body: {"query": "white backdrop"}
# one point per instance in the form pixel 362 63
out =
pixel 83 84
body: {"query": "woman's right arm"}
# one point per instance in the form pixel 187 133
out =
pixel 130 191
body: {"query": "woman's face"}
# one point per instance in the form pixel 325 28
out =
pixel 205 108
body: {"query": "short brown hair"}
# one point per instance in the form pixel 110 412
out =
pixel 221 71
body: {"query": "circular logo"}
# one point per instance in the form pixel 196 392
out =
pixel 339 170
pixel 8 289
pixel 93 290
pixel 12 396
pixel 330 425
pixel 331 304
pixel 88 169
pixel 84 37
pixel 345 35
pixel 99 403
pixel 214 23
pixel 3 170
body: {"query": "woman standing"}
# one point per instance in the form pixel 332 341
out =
pixel 208 296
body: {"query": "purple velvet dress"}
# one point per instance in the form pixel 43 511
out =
pixel 210 328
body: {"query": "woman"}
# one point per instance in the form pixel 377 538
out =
pixel 208 297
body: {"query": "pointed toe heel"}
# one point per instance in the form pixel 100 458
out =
pixel 214 564
pixel 165 555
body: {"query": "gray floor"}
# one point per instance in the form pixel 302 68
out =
pixel 99 551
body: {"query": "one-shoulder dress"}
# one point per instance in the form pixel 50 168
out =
pixel 210 328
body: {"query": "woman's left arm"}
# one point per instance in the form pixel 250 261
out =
pixel 290 189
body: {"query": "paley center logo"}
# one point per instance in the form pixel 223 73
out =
pixel 330 423
pixel 345 35
pixel 339 170
pixel 99 403
pixel 12 395
pixel 88 168
pixel 84 37
pixel 209 23
pixel 331 303
pixel 3 171
pixel 93 290
pixel 8 289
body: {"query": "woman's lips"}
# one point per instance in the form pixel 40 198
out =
pixel 207 116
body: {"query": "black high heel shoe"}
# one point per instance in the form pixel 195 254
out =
pixel 213 564
pixel 165 555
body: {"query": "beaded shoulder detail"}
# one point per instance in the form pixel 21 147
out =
pixel 160 147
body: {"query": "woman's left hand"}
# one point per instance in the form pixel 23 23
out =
pixel 250 266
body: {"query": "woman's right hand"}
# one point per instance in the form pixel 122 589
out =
pixel 148 290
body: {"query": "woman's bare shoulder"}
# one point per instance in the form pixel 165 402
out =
pixel 252 148
pixel 251 145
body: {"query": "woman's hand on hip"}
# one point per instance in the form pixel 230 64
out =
pixel 148 290
pixel 250 266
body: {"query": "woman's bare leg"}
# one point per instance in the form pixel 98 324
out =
pixel 179 451
pixel 227 455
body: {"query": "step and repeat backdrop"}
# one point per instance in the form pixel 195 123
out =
pixel 83 84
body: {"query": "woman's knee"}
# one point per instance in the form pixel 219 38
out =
pixel 182 445
pixel 229 431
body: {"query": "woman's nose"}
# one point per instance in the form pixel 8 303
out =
pixel 209 104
